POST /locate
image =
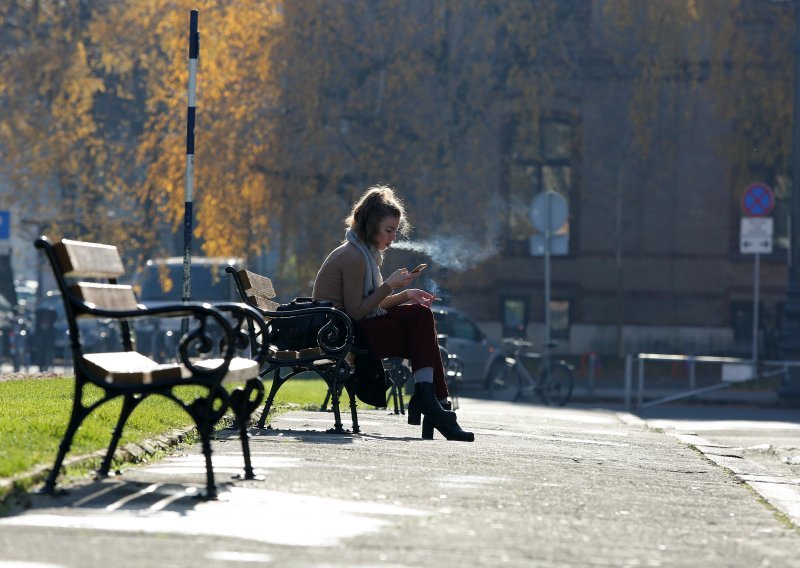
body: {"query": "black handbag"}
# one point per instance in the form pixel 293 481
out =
pixel 371 379
pixel 298 332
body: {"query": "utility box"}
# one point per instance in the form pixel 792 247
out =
pixel 738 372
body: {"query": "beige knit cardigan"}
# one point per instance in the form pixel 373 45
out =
pixel 340 280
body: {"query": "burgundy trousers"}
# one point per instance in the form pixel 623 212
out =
pixel 408 331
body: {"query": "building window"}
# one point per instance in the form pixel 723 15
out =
pixel 541 160
pixel 742 320
pixel 515 317
pixel 557 140
pixel 560 318
pixel 769 328
pixel 524 186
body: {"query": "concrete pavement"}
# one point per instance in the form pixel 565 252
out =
pixel 538 487
pixel 760 446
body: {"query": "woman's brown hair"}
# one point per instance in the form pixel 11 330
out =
pixel 378 203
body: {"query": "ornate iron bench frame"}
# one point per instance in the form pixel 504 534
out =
pixel 87 274
pixel 331 358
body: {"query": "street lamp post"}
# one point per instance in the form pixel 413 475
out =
pixel 789 391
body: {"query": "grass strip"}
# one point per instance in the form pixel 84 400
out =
pixel 34 414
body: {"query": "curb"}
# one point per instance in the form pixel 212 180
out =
pixel 131 453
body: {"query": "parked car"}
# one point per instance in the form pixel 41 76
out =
pixel 478 352
pixel 161 282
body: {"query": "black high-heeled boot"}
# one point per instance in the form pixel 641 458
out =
pixel 451 431
pixel 424 401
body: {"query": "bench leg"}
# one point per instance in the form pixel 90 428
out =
pixel 325 402
pixel 338 427
pixel 277 381
pixel 63 448
pixel 350 387
pixel 395 371
pixel 129 403
pixel 243 406
pixel 211 487
pixel 400 396
pixel 395 402
pixel 78 414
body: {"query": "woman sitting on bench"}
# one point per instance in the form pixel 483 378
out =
pixel 394 324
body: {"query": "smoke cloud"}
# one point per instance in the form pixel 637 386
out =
pixel 452 252
pixel 462 252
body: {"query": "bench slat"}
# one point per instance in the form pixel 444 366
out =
pixel 108 296
pixel 264 304
pixel 275 353
pixel 240 369
pixel 89 260
pixel 256 286
pixel 130 367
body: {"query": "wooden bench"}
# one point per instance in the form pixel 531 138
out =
pixel 331 357
pixel 87 275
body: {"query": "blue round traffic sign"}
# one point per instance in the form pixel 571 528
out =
pixel 758 200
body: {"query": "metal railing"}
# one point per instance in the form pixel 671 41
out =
pixel 759 370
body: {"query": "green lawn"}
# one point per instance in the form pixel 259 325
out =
pixel 34 415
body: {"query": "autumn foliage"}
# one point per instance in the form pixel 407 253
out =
pixel 302 105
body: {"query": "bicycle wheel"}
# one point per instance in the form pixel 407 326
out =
pixel 557 388
pixel 502 382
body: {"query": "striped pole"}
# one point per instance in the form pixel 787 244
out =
pixel 194 51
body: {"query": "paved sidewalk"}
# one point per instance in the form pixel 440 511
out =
pixel 538 487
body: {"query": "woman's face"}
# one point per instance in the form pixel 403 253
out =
pixel 387 233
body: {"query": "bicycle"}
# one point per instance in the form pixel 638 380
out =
pixel 512 381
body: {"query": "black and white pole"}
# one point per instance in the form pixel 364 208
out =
pixel 194 51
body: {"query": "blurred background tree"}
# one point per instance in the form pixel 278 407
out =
pixel 302 105
pixel 59 127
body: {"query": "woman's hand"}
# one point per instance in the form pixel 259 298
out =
pixel 422 297
pixel 401 278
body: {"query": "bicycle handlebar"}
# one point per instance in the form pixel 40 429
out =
pixel 517 342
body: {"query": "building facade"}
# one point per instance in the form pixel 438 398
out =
pixel 652 257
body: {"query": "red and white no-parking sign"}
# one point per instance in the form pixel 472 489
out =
pixel 755 230
pixel 758 200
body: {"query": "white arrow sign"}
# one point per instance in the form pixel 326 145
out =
pixel 755 235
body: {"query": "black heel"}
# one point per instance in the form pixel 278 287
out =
pixel 425 402
pixel 427 429
pixel 451 431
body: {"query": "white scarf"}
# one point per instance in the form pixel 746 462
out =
pixel 372 274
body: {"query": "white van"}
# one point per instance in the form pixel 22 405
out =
pixel 161 282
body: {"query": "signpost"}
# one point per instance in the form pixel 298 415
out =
pixel 549 213
pixel 755 237
pixel 194 52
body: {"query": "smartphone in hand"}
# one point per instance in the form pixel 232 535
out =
pixel 419 268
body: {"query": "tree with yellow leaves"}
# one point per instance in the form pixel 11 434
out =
pixel 302 105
